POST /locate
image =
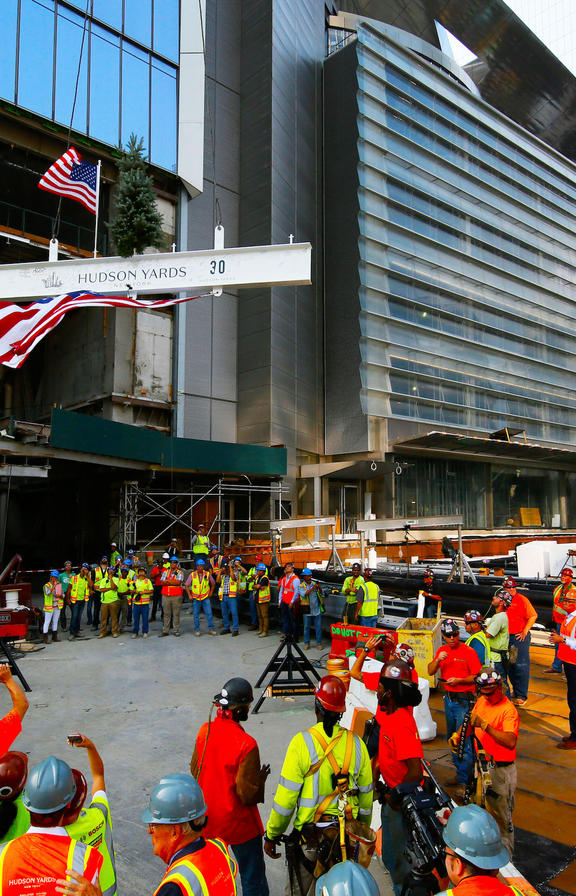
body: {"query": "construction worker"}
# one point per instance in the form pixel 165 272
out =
pixel 93 825
pixel 172 581
pixel 227 583
pixel 156 576
pixel 252 597
pixel 458 665
pixel 64 579
pixel 319 764
pixel 367 596
pixel 497 632
pixel 14 816
pixel 474 625
pixel 288 595
pixel 201 544
pixel 11 723
pixel 42 855
pixel 215 559
pixel 566 640
pixel 77 594
pixel 109 603
pixel 102 578
pixel 124 581
pixel 474 854
pixel 200 587
pixel 115 554
pixel 226 764
pixel 347 879
pixel 142 592
pixel 558 614
pixel 350 590
pixel 521 617
pixel 431 601
pixel 312 607
pixel 399 761
pixel 53 603
pixel 173 549
pixel 176 818
pixel 261 589
pixel 496 724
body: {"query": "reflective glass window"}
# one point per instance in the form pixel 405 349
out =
pixel 135 94
pixel 8 54
pixel 36 62
pixel 105 69
pixel 68 48
pixel 109 11
pixel 138 20
pixel 167 28
pixel 163 116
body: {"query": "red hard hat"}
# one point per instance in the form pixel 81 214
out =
pixel 331 693
pixel 510 582
pixel 405 653
pixel 397 671
pixel 567 572
pixel 13 774
pixel 78 799
pixel 473 616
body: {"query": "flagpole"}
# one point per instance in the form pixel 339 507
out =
pixel 97 204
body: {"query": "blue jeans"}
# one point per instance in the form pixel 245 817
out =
pixel 76 617
pixel 501 668
pixel 317 626
pixel 250 858
pixel 252 601
pixel 288 620
pixel 370 621
pixel 93 611
pixel 230 608
pixel 198 605
pixel 140 612
pixel 519 672
pixel 455 710
pixel 393 842
pixel 557 664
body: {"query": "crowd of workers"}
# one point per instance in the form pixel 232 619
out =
pixel 206 826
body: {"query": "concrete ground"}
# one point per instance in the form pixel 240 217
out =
pixel 142 702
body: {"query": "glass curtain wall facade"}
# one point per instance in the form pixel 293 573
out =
pixel 128 76
pixel 452 262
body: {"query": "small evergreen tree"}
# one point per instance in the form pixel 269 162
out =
pixel 136 223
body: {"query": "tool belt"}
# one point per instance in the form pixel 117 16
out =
pixel 324 837
pixel 460 696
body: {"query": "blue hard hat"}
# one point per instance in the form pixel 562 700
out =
pixel 54 574
pixel 127 562
pixel 261 566
pixel 50 787
pixel 346 879
pixel 213 547
pixel 174 800
pixel 130 552
pixel 306 572
pixel 200 563
pixel 474 835
pixel 174 559
pixel 237 558
pixel 104 557
pixel 85 566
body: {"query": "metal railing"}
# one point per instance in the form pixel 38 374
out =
pixel 33 223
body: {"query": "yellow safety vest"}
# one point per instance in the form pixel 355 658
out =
pixel 232 591
pixel 297 789
pixel 200 586
pixel 143 593
pixel 51 600
pixel 480 636
pixel 369 606
pixel 263 593
pixel 354 585
pixel 80 588
pixel 201 545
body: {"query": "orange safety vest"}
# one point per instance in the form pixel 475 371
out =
pixel 568 628
pixel 558 611
pixel 33 863
pixel 173 587
pixel 288 588
pixel 211 867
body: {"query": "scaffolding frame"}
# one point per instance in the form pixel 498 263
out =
pixel 138 503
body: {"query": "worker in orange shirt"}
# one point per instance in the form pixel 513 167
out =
pixel 559 613
pixel 496 723
pixel 521 617
pixel 566 641
pixel 11 724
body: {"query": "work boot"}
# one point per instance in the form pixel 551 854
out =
pixel 45 638
pixel 55 636
pixel 225 631
pixel 213 631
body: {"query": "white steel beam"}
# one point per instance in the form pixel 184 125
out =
pixel 303 523
pixel 425 522
pixel 283 265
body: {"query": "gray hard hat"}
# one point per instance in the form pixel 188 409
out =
pixel 50 787
pixel 472 834
pixel 174 800
pixel 346 879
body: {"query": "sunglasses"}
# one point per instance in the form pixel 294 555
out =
pixel 451 635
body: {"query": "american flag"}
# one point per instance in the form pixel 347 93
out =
pixel 70 176
pixel 23 326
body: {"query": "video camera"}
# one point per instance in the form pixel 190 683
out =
pixel 425 808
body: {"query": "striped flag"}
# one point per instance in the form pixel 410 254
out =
pixel 23 326
pixel 70 176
